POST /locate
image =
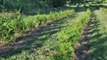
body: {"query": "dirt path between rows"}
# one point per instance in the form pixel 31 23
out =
pixel 82 49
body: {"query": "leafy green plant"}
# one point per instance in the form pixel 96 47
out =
pixel 10 28
pixel 69 36
pixel 20 26
pixel 7 30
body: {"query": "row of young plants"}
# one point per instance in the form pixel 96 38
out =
pixel 69 36
pixel 9 29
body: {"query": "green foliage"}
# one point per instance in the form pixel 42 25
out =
pixel 35 21
pixel 20 25
pixel 60 45
pixel 23 4
pixel 69 36
pixel 7 30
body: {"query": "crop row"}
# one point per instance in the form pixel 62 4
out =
pixel 69 36
pixel 20 25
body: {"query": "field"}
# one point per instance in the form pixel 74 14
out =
pixel 74 32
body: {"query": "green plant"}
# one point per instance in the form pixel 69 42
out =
pixel 20 24
pixel 7 30
pixel 69 36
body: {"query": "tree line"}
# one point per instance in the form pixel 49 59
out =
pixel 24 4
